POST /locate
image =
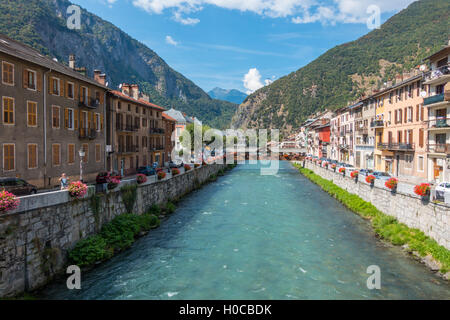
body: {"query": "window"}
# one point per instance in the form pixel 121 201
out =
pixel 8 110
pixel 30 79
pixel 55 86
pixel 98 155
pixel 420 163
pixel 85 148
pixel 32 156
pixel 9 163
pixel 71 153
pixel 32 114
pixel 8 73
pixel 409 161
pixel 119 105
pixel 56 155
pixel 84 95
pixel 70 90
pixel 410 114
pixel 55 117
pixel 97 122
pixel 69 119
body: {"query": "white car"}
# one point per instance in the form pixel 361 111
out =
pixel 442 188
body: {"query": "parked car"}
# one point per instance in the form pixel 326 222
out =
pixel 441 189
pixel 103 177
pixel 147 170
pixel 17 186
pixel 381 175
pixel 175 164
pixel 365 172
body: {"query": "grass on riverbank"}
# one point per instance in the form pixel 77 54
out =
pixel 385 226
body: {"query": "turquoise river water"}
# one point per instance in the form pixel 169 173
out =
pixel 253 236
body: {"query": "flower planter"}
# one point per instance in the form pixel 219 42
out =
pixel 141 178
pixel 370 179
pixel 161 175
pixel 392 184
pixel 77 189
pixel 8 202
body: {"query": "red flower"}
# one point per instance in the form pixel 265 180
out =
pixel 175 172
pixel 370 179
pixel 141 178
pixel 341 170
pixel 333 165
pixel 161 175
pixel 391 183
pixel 187 167
pixel 354 174
pixel 422 189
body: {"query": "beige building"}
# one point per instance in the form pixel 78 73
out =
pixel 49 113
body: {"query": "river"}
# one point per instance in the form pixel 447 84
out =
pixel 253 236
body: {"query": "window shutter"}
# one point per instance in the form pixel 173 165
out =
pixel 417 113
pixel 75 112
pixel 422 112
pixel 101 121
pixel 421 138
pixel 81 93
pixel 89 95
pixel 39 81
pixel 49 84
pixel 67 89
pixel 90 119
pixel 25 78
pixel 61 87
pixel 66 118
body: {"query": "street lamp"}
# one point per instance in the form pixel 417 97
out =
pixel 82 154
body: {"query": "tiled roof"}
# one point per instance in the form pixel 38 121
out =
pixel 140 101
pixel 24 52
pixel 167 117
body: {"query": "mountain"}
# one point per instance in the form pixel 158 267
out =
pixel 351 70
pixel 42 24
pixel 233 95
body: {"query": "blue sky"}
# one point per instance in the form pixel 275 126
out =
pixel 221 43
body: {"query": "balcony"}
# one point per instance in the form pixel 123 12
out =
pixel 157 148
pixel 377 124
pixel 362 131
pixel 126 127
pixel 438 148
pixel 127 149
pixel 433 99
pixel 437 75
pixel 90 104
pixel 439 123
pixel 396 146
pixel 156 131
pixel 89 134
pixel 343 146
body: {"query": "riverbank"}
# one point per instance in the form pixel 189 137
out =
pixel 388 228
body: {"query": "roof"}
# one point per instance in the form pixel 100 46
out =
pixel 140 101
pixel 396 86
pixel 445 48
pixel 175 114
pixel 167 117
pixel 26 53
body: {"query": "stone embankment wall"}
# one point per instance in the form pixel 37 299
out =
pixel 431 218
pixel 35 239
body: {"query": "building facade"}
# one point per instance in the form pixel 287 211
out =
pixel 50 113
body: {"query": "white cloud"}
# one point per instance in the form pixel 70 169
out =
pixel 300 11
pixel 171 41
pixel 252 81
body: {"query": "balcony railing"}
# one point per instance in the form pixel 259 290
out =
pixel 438 123
pixel 433 99
pixel 127 149
pixel 156 131
pixel 363 130
pixel 127 127
pixel 437 73
pixel 85 133
pixel 438 148
pixel 396 146
pixel 91 103
pixel 377 124
pixel 156 148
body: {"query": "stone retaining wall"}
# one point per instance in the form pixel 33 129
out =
pixel 433 219
pixel 35 239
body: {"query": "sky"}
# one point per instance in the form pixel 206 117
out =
pixel 242 44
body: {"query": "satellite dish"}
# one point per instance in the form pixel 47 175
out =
pixel 107 84
pixel 423 67
pixel 423 94
pixel 120 86
pixel 54 59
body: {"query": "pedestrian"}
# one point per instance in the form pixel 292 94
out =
pixel 64 181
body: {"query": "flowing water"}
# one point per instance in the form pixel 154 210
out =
pixel 253 236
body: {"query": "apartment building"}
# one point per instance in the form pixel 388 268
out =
pixel 136 131
pixel 437 103
pixel 169 143
pixel 383 160
pixel 364 113
pixel 180 125
pixel 403 142
pixel 50 113
pixel 346 137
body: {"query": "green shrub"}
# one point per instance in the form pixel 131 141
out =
pixel 89 251
pixel 155 210
pixel 170 208
pixel 120 232
pixel 129 195
pixel 385 226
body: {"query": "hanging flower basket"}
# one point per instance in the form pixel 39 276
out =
pixel 342 170
pixel 334 166
pixel 161 175
pixel 175 172
pixel 8 202
pixel 196 165
pixel 422 189
pixel 141 178
pixel 77 189
pixel 187 167
pixel 370 179
pixel 392 184
pixel 354 174
pixel 113 183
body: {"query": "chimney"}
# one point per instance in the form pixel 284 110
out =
pixel 135 91
pixel 126 89
pixel 97 74
pixel 72 61
pixel 102 79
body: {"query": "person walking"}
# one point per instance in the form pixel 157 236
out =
pixel 64 181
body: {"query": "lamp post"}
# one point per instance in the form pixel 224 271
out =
pixel 82 154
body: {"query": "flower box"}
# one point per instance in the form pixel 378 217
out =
pixel 8 202
pixel 77 189
pixel 370 179
pixel 141 178
pixel 187 167
pixel 392 184
pixel 161 175
pixel 175 172
pixel 422 189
